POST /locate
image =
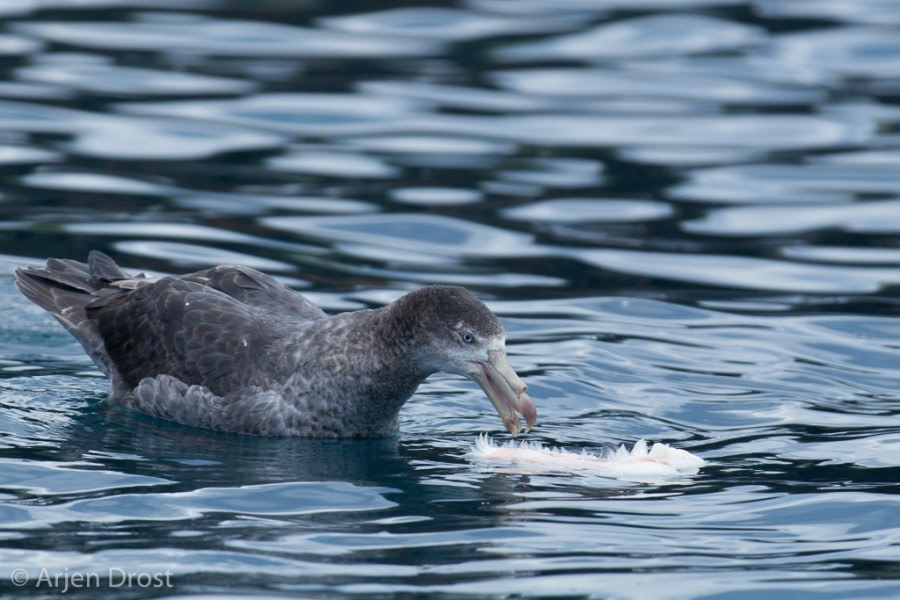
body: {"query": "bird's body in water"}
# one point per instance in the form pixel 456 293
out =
pixel 231 349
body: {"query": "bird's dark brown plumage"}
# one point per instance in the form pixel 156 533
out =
pixel 232 349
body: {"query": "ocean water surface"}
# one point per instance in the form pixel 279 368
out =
pixel 687 215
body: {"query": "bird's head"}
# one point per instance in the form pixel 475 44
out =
pixel 464 337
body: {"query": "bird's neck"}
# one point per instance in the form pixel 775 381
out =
pixel 396 340
pixel 366 359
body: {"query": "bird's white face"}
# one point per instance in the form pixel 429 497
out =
pixel 457 333
pixel 467 348
pixel 483 360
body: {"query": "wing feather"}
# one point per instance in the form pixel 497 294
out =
pixel 184 329
pixel 257 289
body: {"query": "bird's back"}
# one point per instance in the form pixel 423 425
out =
pixel 208 328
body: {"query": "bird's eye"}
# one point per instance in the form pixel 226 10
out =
pixel 467 338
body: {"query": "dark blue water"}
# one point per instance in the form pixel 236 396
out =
pixel 687 215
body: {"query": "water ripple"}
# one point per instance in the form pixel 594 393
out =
pixel 771 132
pixel 91 182
pixel 587 210
pixel 877 217
pixel 206 35
pixel 430 234
pixel 876 12
pixel 741 272
pixel 90 75
pixel 445 24
pixel 301 114
pixel 656 35
pixel 667 81
pixel 847 51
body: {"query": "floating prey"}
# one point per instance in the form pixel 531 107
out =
pixel 640 463
pixel 231 349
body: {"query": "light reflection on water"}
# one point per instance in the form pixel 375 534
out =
pixel 685 213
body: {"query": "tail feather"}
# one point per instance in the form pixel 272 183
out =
pixel 63 287
pixel 55 292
